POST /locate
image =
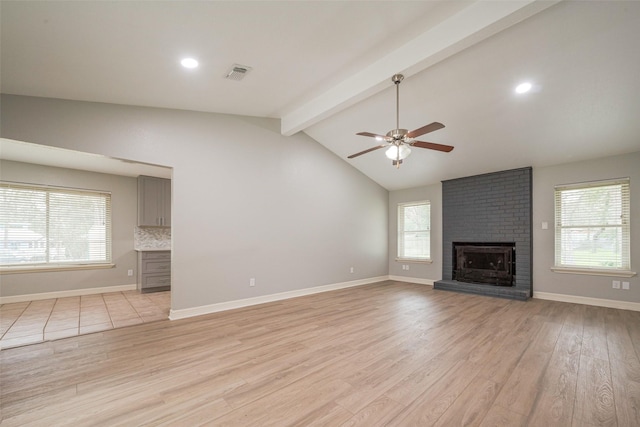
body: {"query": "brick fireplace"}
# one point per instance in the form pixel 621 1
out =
pixel 487 234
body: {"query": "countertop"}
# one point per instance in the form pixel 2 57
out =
pixel 152 250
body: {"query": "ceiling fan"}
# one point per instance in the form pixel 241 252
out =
pixel 398 141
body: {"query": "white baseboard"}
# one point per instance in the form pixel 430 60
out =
pixel 599 302
pixel 63 294
pixel 417 280
pixel 230 305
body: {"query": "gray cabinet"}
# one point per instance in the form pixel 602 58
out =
pixel 154 271
pixel 154 201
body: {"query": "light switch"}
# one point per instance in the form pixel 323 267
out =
pixel 545 225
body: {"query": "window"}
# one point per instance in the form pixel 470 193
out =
pixel 414 231
pixel 592 225
pixel 47 226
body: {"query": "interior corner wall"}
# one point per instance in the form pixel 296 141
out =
pixel 581 285
pixel 429 272
pixel 123 201
pixel 247 202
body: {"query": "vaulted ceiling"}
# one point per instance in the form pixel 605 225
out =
pixel 325 67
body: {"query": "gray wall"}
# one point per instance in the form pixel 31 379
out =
pixel 432 271
pixel 247 201
pixel 544 180
pixel 123 200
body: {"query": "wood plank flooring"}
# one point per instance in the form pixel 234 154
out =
pixel 37 321
pixel 387 354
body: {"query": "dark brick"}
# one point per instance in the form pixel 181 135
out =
pixel 494 207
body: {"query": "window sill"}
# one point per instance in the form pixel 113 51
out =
pixel 414 260
pixel 50 268
pixel 593 271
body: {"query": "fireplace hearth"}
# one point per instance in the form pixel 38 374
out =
pixel 490 263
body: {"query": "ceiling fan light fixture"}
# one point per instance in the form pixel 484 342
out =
pixel 392 152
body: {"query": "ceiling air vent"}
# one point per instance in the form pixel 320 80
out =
pixel 238 72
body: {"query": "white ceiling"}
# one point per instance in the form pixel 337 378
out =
pixel 20 151
pixel 324 67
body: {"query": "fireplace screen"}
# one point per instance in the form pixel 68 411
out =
pixel 488 263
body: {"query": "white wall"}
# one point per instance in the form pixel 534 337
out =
pixel 123 202
pixel 544 180
pixel 247 201
pixel 425 272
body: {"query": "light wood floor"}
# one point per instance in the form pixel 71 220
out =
pixel 392 354
pixel 36 321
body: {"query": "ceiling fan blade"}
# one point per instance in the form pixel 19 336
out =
pixel 425 129
pixel 373 135
pixel 432 146
pixel 367 151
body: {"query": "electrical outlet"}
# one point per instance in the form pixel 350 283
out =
pixel 625 285
pixel 252 281
pixel 351 270
pixel 616 284
pixel 129 273
pixel 407 266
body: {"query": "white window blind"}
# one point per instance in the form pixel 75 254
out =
pixel 46 225
pixel 592 225
pixel 414 230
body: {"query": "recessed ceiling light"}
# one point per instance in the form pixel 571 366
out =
pixel 523 87
pixel 189 63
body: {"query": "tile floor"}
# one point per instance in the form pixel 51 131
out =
pixel 31 322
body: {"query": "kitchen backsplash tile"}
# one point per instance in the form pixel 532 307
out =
pixel 158 238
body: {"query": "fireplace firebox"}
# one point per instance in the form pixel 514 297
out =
pixel 491 263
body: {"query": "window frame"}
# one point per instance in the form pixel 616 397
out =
pixel 624 226
pixel 59 265
pixel 401 232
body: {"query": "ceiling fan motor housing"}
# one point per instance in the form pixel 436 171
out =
pixel 397 134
